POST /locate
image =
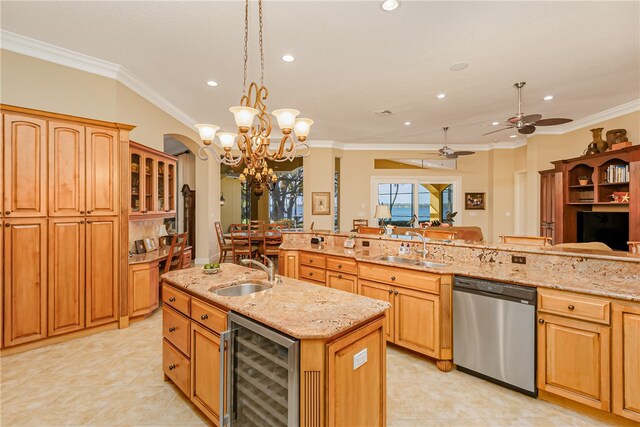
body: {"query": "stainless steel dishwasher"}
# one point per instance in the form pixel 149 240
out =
pixel 494 332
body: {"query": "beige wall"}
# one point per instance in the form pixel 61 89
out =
pixel 33 83
pixel 318 177
pixel 231 212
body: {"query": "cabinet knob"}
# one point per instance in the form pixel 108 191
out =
pixel 393 277
pixel 571 307
pixel 7 212
pixel 541 321
pixel 339 276
pixel 172 367
pixel 81 212
pixel 88 212
pixel 395 292
pixel 172 329
pixel 310 261
pixel 82 221
pixel 204 316
pixel 339 265
pixel 7 225
pixel 172 299
pixel 310 273
pixel 390 291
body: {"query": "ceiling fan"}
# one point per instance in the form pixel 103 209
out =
pixel 527 124
pixel 449 153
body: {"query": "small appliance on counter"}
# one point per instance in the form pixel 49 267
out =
pixel 317 240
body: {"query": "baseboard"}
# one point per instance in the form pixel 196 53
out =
pixel 585 409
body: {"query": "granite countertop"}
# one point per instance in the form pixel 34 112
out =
pixel 157 255
pixel 299 309
pixel 568 277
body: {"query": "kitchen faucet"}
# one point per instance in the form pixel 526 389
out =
pixel 270 269
pixel 424 252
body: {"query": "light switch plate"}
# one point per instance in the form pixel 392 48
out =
pixel 359 359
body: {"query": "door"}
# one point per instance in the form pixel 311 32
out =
pixel 25 167
pixel 101 271
pixel 25 287
pixel 205 371
pixel 144 284
pixel 66 169
pixel 384 293
pixel 343 282
pixel 172 186
pixel 66 275
pixel 101 172
pixel 626 361
pixel 573 360
pixel 416 321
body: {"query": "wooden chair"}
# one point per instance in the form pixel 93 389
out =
pixel 285 224
pixel 176 253
pixel 369 230
pixel 526 240
pixel 360 222
pixel 222 244
pixel 241 246
pixel 441 234
pixel 271 240
pixel 634 247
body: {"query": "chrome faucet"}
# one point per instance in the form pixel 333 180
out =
pixel 270 268
pixel 424 252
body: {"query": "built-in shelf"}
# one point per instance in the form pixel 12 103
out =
pixel 581 186
pixel 613 184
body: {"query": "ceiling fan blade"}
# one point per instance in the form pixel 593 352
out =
pixel 513 120
pixel 552 122
pixel 451 156
pixel 499 130
pixel 527 130
pixel 532 118
pixel 464 153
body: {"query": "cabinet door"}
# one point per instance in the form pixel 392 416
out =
pixel 573 360
pixel 25 167
pixel 101 172
pixel 25 287
pixel 136 181
pixel 172 186
pixel 626 361
pixel 288 264
pixel 66 275
pixel 102 271
pixel 417 321
pixel 343 282
pixel 161 185
pixel 66 169
pixel 205 371
pixel 384 293
pixel 148 174
pixel 144 284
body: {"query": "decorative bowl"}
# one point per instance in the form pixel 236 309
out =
pixel 211 270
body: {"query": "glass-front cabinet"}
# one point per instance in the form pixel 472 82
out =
pixel 153 185
pixel 136 166
pixel 172 187
pixel 148 204
pixel 162 185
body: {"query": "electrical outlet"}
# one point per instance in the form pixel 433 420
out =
pixel 365 243
pixel 518 259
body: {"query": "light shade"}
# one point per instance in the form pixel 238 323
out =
pixel 286 117
pixel 207 132
pixel 301 127
pixel 243 115
pixel 382 212
pixel 162 231
pixel 227 139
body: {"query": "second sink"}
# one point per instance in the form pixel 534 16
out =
pixel 411 261
pixel 240 289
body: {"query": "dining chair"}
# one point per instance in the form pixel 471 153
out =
pixel 360 222
pixel 369 230
pixel 176 253
pixel 526 240
pixel 222 243
pixel 441 234
pixel 241 245
pixel 271 240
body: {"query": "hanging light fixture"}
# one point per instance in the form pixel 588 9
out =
pixel 253 141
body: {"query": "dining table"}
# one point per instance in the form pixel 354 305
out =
pixel 256 236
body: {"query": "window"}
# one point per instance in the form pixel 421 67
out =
pixel 399 197
pixel 286 199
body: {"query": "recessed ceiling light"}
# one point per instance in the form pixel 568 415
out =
pixel 495 123
pixel 495 139
pixel 407 123
pixel 390 5
pixel 212 83
pixel 513 136
pixel 441 95
pixel 288 58
pixel 459 66
pixel 548 98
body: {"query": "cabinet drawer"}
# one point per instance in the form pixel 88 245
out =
pixel 401 277
pixel 176 366
pixel 346 265
pixel 573 305
pixel 343 282
pixel 175 328
pixel 314 260
pixel 209 316
pixel 176 299
pixel 312 273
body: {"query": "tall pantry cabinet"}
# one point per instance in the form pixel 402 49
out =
pixel 62 223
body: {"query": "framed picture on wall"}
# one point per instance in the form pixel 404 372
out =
pixel 474 201
pixel 321 203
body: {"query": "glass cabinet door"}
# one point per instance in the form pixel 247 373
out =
pixel 162 185
pixel 149 185
pixel 136 191
pixel 171 186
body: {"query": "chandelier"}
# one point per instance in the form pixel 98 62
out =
pixel 254 140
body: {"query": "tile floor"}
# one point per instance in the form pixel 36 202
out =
pixel 115 378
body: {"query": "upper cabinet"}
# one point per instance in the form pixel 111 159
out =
pixel 25 167
pixel 66 169
pixel 152 180
pixel 102 171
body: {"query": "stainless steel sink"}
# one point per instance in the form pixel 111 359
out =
pixel 241 289
pixel 411 261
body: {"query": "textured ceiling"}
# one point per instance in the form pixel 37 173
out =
pixel 353 59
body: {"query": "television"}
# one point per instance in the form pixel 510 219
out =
pixel 610 228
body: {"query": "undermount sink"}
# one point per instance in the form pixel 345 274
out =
pixel 240 289
pixel 411 261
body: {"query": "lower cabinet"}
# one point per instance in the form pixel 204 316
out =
pixel 102 271
pixel 416 321
pixel 381 292
pixel 288 264
pixel 205 371
pixel 626 361
pixel 343 282
pixel 144 286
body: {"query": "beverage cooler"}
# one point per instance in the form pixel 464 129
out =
pixel 261 375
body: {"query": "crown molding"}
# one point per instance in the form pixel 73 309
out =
pixel 610 113
pixel 58 55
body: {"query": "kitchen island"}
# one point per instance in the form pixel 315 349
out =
pixel 341 344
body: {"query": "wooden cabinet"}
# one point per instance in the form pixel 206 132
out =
pixel 102 173
pixel 66 169
pixel 416 321
pixel 144 286
pixel 288 264
pixel 626 361
pixel 25 286
pixel 66 254
pixel 101 270
pixel 172 187
pixel 343 282
pixel 384 293
pixel 547 203
pixel 25 166
pixel 152 182
pixel 205 371
pixel 176 366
